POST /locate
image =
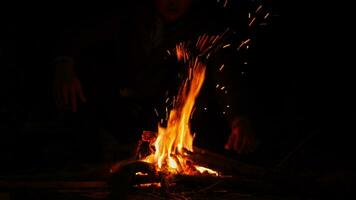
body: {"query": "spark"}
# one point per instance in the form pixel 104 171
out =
pixel 196 62
pixel 225 4
pixel 258 9
pixel 191 115
pixel 166 113
pixel 249 15
pixel 169 53
pixel 222 67
pixel 190 74
pixel 181 52
pixel 207 56
pixel 212 38
pixel 202 41
pixel 216 38
pixel 252 21
pixel 243 43
pixel 266 15
pixel 156 112
pixel 228 106
pixel 217 86
pixel 225 46
pixel 222 88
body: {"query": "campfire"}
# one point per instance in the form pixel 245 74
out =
pixel 167 156
pixel 174 143
pixel 167 163
pixel 170 150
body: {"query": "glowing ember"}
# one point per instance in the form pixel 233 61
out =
pixel 145 185
pixel 141 174
pixel 206 170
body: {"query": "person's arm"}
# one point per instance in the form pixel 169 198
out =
pixel 234 69
pixel 228 70
pixel 231 87
pixel 67 85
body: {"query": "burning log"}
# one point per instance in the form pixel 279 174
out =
pixel 127 180
pixel 139 177
pixel 225 165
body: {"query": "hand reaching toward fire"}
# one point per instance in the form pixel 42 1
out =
pixel 242 139
pixel 67 85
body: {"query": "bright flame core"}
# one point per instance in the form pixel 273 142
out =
pixel 176 138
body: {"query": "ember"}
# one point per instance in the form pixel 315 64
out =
pixel 141 174
pixel 145 185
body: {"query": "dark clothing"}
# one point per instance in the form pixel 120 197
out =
pixel 132 53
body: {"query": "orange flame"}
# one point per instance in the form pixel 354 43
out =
pixel 176 138
pixel 175 141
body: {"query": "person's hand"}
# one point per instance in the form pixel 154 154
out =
pixel 68 88
pixel 242 139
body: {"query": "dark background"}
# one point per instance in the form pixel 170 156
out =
pixel 311 92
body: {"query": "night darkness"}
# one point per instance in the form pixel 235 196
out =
pixel 300 110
